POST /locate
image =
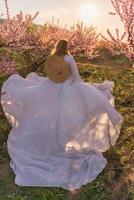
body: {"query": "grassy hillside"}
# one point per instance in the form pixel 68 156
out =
pixel 116 182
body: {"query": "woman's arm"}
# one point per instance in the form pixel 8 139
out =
pixel 74 70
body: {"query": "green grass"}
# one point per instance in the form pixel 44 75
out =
pixel 116 182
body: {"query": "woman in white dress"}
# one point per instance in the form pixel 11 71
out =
pixel 59 131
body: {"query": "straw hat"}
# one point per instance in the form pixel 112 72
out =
pixel 56 68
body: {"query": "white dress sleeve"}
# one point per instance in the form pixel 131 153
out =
pixel 74 70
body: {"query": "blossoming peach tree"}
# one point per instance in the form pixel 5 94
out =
pixel 16 34
pixel 125 41
pixel 83 40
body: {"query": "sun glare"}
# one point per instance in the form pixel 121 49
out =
pixel 88 11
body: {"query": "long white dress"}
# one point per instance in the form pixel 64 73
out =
pixel 59 131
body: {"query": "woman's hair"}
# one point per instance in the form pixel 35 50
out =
pixel 61 48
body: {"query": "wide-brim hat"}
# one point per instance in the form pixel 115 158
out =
pixel 56 68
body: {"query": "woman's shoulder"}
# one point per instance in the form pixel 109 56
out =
pixel 68 57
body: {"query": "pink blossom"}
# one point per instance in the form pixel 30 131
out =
pixel 125 42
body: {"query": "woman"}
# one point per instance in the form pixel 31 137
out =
pixel 59 131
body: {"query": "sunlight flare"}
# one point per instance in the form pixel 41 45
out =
pixel 87 12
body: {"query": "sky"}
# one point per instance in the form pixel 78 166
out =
pixel 91 12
